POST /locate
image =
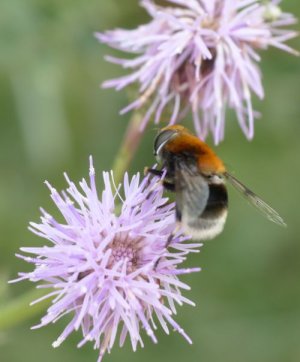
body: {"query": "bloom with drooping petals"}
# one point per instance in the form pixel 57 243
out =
pixel 200 56
pixel 107 262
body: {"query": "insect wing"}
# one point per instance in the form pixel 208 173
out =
pixel 256 201
pixel 192 192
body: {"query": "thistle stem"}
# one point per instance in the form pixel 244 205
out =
pixel 18 310
pixel 128 147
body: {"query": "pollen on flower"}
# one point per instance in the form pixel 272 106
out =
pixel 200 57
pixel 110 271
pixel 126 250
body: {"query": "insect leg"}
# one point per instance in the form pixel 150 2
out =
pixel 167 183
pixel 168 242
pixel 153 171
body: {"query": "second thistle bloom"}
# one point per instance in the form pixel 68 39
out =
pixel 200 56
pixel 106 262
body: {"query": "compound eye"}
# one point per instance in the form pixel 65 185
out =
pixel 161 140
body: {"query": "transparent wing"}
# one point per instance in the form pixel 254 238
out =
pixel 256 201
pixel 192 191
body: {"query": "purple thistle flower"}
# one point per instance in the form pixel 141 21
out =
pixel 108 265
pixel 200 56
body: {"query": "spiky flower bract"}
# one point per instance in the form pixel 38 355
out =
pixel 200 56
pixel 107 263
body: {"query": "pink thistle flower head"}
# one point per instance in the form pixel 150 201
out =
pixel 107 265
pixel 200 56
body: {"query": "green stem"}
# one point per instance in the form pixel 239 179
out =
pixel 128 147
pixel 18 310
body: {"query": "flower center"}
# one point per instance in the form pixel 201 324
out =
pixel 125 249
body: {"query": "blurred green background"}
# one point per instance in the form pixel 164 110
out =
pixel 54 115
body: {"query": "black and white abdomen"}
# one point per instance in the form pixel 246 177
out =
pixel 210 222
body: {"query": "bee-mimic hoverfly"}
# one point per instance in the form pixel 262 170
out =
pixel 197 176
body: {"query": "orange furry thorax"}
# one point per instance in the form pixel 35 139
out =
pixel 208 161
